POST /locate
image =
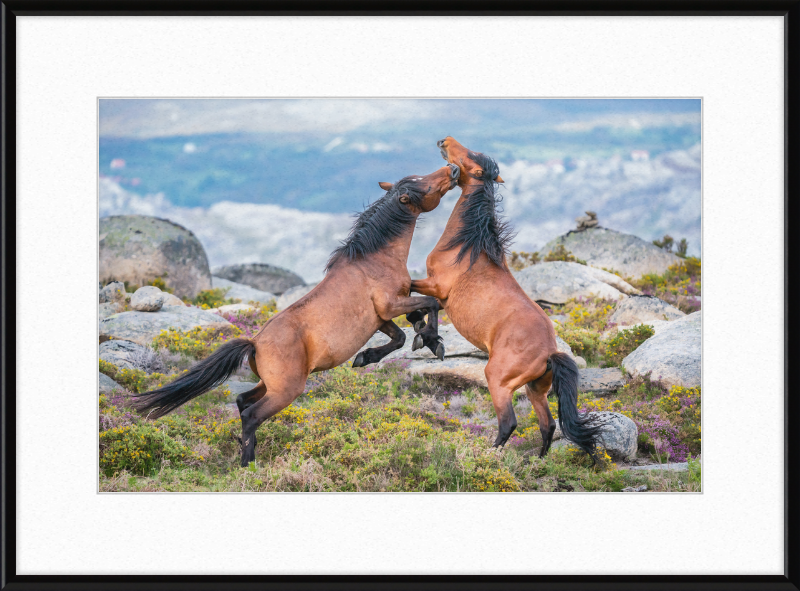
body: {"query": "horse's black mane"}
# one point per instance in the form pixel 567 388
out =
pixel 381 222
pixel 482 228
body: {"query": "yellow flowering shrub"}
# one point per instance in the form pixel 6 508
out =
pixel 135 380
pixel 139 449
pixel 197 343
pixel 624 342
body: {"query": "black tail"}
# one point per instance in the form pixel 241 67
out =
pixel 209 373
pixel 578 429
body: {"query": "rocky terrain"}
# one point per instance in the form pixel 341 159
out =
pixel 639 356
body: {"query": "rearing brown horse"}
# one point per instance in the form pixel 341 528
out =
pixel 367 283
pixel 468 274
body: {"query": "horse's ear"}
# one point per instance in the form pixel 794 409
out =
pixel 499 179
pixel 404 198
pixel 386 186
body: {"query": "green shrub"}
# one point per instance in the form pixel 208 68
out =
pixel 520 260
pixel 135 380
pixel 591 313
pixel 213 298
pixel 139 449
pixel 624 342
pixel 583 341
pixel 665 243
pixel 559 253
pixel 196 343
pixel 694 470
pixel 677 285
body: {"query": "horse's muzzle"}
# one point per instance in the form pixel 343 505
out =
pixel 454 171
pixel 440 144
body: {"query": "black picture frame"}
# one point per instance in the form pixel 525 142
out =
pixel 789 9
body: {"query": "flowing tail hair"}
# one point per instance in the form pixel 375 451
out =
pixel 208 374
pixel 580 430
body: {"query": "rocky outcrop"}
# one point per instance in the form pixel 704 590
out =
pixel 171 299
pixel 108 309
pixel 588 221
pixel 260 276
pixel 114 292
pixel 292 295
pixel 618 435
pixel 143 327
pixel 639 309
pixel 147 299
pixel 240 291
pixel 625 253
pixel 107 385
pixel 672 355
pixel 119 353
pixel 558 281
pixel 601 381
pixel 140 249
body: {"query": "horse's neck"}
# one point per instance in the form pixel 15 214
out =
pixel 454 221
pixel 399 248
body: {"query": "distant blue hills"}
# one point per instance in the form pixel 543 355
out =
pixel 335 173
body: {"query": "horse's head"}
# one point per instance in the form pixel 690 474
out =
pixel 475 167
pixel 423 193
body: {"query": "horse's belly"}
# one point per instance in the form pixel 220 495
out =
pixel 339 345
pixel 469 325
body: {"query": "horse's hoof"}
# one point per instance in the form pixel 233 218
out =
pixel 419 325
pixel 417 344
pixel 440 351
pixel 359 360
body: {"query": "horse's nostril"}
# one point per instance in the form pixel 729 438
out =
pixel 440 143
pixel 454 171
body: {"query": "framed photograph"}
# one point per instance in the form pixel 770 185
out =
pixel 413 261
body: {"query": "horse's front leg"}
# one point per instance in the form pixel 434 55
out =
pixel 429 335
pixel 428 287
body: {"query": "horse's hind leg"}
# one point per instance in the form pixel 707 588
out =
pixel 537 394
pixel 280 393
pixel 375 354
pixel 503 402
pixel 247 399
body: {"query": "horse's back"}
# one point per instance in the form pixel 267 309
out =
pixel 333 321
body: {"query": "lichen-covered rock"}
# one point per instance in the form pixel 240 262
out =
pixel 558 281
pixel 600 381
pixel 143 327
pixel 628 254
pixel 260 276
pixel 109 308
pixel 107 385
pixel 171 299
pixel 672 355
pixel 618 435
pixel 140 249
pixel 147 299
pixel 240 291
pixel 639 309
pixel 292 295
pixel 114 292
pixel 119 352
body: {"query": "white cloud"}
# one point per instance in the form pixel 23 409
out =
pixel 659 197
